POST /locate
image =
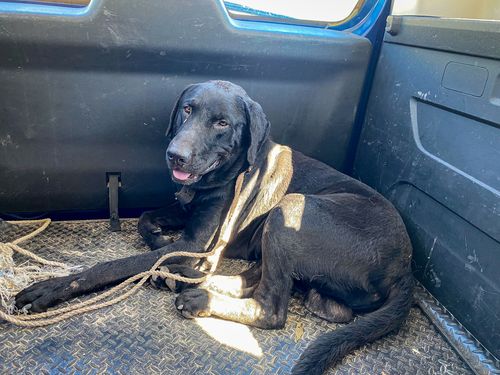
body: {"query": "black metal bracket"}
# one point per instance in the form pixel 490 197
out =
pixel 113 183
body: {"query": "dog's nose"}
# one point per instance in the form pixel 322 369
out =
pixel 179 157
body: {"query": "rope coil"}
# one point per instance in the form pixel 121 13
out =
pixel 57 315
pixel 92 304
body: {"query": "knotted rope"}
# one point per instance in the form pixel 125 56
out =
pixel 14 278
pixel 94 303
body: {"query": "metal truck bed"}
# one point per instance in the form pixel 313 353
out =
pixel 145 334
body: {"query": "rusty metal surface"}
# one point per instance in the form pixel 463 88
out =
pixel 145 334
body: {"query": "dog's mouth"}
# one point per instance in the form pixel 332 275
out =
pixel 187 178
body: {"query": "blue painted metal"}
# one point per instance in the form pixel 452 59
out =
pixel 46 9
pixel 274 27
pixel 361 24
pixel 255 12
pixel 373 29
pixel 377 13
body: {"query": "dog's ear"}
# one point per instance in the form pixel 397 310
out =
pixel 259 128
pixel 174 118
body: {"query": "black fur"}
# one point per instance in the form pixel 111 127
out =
pixel 306 224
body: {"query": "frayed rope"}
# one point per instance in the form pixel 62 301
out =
pixel 14 278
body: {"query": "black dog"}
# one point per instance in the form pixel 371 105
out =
pixel 304 223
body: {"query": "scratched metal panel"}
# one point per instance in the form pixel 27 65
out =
pixel 145 334
pixel 87 94
pixel 431 144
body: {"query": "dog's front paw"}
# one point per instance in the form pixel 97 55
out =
pixel 162 282
pixel 150 231
pixel 40 296
pixel 193 303
pixel 147 227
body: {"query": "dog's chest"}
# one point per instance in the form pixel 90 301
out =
pixel 257 192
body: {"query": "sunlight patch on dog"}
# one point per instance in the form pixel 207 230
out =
pixel 273 183
pixel 244 310
pixel 231 219
pixel 234 335
pixel 227 285
pixel 295 211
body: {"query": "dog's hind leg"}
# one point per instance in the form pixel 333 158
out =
pixel 327 308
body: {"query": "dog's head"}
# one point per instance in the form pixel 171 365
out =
pixel 213 125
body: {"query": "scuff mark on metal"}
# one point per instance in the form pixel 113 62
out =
pixel 430 255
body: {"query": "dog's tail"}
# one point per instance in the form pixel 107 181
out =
pixel 331 347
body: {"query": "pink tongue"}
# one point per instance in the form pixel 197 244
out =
pixel 182 176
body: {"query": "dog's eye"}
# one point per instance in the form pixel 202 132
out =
pixel 222 123
pixel 187 109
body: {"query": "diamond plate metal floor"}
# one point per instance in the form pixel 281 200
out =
pixel 145 334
